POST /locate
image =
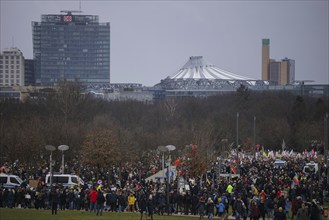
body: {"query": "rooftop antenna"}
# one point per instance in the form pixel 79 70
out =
pixel 70 11
pixel 12 41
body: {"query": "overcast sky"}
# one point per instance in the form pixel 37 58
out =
pixel 151 40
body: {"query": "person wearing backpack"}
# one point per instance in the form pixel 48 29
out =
pixel 112 200
pixel 220 209
pixel 100 202
pixel 225 202
pixel 302 213
pixel 239 208
pixel 255 212
pixel 201 206
pixel 54 200
pixel 210 208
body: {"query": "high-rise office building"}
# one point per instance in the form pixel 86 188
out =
pixel 29 72
pixel 279 72
pixel 71 47
pixel 12 67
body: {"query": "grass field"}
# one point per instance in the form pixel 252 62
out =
pixel 33 214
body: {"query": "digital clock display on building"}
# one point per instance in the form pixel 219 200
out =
pixel 67 18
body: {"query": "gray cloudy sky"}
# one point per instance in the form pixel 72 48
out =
pixel 151 40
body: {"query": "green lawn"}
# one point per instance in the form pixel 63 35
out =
pixel 32 214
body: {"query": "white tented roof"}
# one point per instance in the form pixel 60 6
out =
pixel 198 68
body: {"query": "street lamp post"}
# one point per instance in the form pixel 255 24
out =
pixel 51 148
pixel 63 148
pixel 1 129
pixel 254 144
pixel 223 149
pixel 162 149
pixel 231 160
pixel 169 148
pixel 237 143
pixel 326 160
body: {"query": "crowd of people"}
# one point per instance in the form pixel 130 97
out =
pixel 262 190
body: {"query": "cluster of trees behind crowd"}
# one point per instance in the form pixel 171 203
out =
pixel 101 133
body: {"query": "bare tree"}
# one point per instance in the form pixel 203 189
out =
pixel 100 149
pixel 196 163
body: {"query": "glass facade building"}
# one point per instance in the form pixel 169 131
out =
pixel 29 72
pixel 275 71
pixel 71 47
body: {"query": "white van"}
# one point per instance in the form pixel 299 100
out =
pixel 311 167
pixel 65 180
pixel 279 163
pixel 10 181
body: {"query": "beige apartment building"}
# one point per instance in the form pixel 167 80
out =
pixel 281 72
pixel 12 67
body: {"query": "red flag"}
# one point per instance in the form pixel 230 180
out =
pixel 233 169
pixel 177 163
pixel 296 181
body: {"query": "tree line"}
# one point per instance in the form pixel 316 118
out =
pixel 100 133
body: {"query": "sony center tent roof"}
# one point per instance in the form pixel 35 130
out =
pixel 198 68
pixel 200 75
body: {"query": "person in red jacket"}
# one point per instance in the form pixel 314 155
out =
pixel 93 200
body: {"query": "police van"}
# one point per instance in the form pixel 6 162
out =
pixel 311 167
pixel 66 180
pixel 10 181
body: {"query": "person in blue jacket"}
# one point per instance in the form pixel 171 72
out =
pixel 220 209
